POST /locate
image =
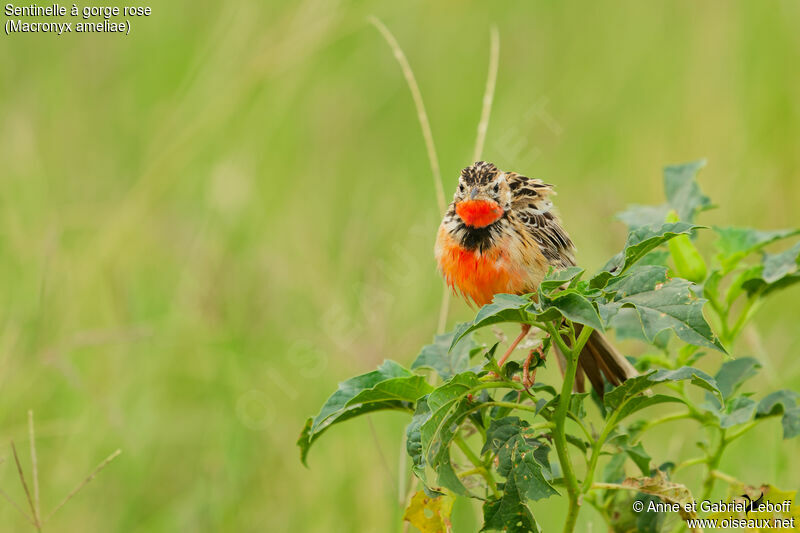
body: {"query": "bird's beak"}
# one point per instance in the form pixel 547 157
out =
pixel 473 193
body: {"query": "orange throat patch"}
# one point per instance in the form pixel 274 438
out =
pixel 479 213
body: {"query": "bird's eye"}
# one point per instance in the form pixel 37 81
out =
pixel 460 187
pixel 496 188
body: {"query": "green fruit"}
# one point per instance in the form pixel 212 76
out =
pixel 689 264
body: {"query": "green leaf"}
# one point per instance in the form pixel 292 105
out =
pixel 557 278
pixel 627 325
pixel 397 389
pixel 682 191
pixel 783 402
pixel 574 307
pixel 734 244
pixel 643 215
pixel 733 373
pixel 446 361
pixel 391 386
pixel 520 456
pixel 337 403
pixel 569 303
pixel 643 402
pixel 777 271
pixel 449 408
pixel 529 478
pixel 737 411
pixel 683 195
pixel 504 308
pixel 662 305
pixel 414 439
pixel 508 513
pixel 695 376
pixel 780 265
pixel 620 396
pixel 502 439
pixel 305 440
pixel 656 257
pixel 639 243
pixel 638 455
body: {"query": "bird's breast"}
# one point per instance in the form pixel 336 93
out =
pixel 480 273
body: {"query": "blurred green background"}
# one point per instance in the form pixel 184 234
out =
pixel 207 224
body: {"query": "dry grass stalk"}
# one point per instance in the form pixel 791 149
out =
pixel 25 485
pixel 83 483
pixel 37 513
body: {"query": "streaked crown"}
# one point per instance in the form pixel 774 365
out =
pixel 479 173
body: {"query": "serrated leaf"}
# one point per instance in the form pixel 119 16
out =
pixel 349 389
pixel 777 271
pixel 508 513
pixel 529 478
pixel 682 191
pixel 783 402
pixel 446 361
pixel 569 303
pixel 640 242
pixel 777 266
pixel 662 304
pixel 414 438
pixel 616 397
pixel 407 389
pixel 502 439
pixel 504 308
pixel 637 454
pixel 737 411
pixel 557 278
pixel 448 409
pixel 627 325
pixel 734 244
pixel 696 377
pixel 574 307
pixel 429 515
pixel 643 402
pixel 391 386
pixel 733 373
pixel 521 456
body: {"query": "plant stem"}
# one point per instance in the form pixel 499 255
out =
pixel 476 462
pixel 712 464
pixel 560 418
pixel 690 462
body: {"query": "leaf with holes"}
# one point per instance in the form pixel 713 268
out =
pixel 662 304
pixel 429 514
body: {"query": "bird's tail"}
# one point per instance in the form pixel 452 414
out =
pixel 599 362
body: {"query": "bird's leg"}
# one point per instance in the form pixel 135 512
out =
pixel 525 329
pixel 529 378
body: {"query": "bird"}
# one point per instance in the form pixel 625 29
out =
pixel 753 504
pixel 501 234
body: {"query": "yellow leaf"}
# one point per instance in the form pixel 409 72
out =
pixel 783 510
pixel 430 515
